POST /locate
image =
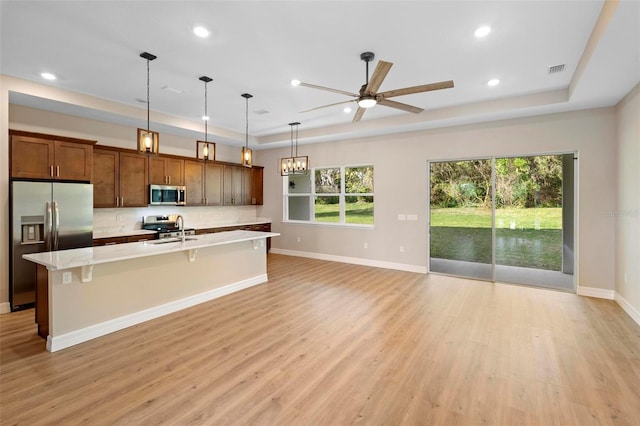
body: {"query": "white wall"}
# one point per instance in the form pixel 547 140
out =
pixel 627 213
pixel 400 163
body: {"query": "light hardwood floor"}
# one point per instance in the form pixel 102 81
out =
pixel 330 344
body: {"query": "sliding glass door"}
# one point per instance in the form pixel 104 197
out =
pixel 460 215
pixel 504 219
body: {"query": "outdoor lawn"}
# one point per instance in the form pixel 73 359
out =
pixel 525 237
pixel 358 212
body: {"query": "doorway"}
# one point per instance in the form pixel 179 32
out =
pixel 508 219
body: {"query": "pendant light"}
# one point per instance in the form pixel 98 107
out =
pixel 148 141
pixel 247 155
pixel 294 165
pixel 205 150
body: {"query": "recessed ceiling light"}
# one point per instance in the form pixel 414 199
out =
pixel 295 82
pixel 48 76
pixel 205 117
pixel 347 110
pixel 493 82
pixel 201 32
pixel 482 31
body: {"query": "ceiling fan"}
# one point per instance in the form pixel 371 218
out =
pixel 368 95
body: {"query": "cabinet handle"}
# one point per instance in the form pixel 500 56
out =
pixel 117 201
pixel 57 171
pixel 51 171
pixel 121 201
pixel 110 244
pixel 169 178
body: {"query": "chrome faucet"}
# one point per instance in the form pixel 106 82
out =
pixel 181 219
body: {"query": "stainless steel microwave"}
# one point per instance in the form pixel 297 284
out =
pixel 167 195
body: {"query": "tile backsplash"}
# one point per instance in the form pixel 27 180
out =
pixel 122 220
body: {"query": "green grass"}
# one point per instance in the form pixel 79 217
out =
pixel 530 238
pixel 471 217
pixel 360 213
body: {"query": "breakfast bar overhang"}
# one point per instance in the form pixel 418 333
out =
pixel 89 292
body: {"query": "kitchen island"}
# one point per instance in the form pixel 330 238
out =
pixel 93 291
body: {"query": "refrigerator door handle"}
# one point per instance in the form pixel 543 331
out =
pixel 48 225
pixel 57 230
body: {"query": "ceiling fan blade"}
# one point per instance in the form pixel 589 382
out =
pixel 328 89
pixel 359 113
pixel 329 105
pixel 398 105
pixel 379 74
pixel 418 89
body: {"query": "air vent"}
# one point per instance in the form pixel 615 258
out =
pixel 172 90
pixel 261 112
pixel 556 68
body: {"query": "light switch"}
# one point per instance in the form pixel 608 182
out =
pixel 402 217
pixel 412 217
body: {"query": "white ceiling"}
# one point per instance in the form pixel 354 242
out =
pixel 258 47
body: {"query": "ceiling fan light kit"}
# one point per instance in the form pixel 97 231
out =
pixel 369 96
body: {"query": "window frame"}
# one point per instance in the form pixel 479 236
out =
pixel 313 194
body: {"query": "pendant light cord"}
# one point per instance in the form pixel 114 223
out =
pixel 246 137
pixel 206 114
pixel 297 138
pixel 148 105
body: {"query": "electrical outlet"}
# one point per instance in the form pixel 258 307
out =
pixel 401 249
pixel 366 245
pixel 67 278
pixel 298 239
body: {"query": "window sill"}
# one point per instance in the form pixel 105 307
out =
pixel 330 224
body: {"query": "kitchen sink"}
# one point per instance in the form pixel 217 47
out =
pixel 171 240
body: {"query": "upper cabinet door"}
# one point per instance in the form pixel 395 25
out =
pixel 32 158
pixel 174 168
pixel 166 171
pixel 73 161
pixel 133 180
pixel 43 157
pixel 213 178
pixel 106 174
pixel 193 175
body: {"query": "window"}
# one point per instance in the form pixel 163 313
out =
pixel 340 195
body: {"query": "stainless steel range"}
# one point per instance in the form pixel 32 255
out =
pixel 166 225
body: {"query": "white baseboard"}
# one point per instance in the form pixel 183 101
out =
pixel 63 341
pixel 595 292
pixel 628 308
pixel 5 308
pixel 353 260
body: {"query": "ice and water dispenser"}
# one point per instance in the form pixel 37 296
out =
pixel 32 229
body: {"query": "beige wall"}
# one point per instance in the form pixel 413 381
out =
pixel 400 163
pixel 627 213
pixel 4 196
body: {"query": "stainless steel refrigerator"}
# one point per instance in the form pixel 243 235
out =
pixel 45 216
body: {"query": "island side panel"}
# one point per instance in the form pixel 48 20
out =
pixel 130 287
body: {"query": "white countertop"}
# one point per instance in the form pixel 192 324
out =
pixel 74 258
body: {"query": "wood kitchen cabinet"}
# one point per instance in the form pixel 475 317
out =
pixel 120 178
pixel 252 186
pixel 39 156
pixel 213 184
pixel 193 180
pixel 204 183
pixel 166 171
pixel 233 185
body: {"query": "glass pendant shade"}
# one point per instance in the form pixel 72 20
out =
pixel 247 157
pixel 205 150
